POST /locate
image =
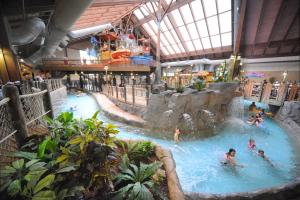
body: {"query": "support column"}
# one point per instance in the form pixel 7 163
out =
pixel 16 113
pixel 9 66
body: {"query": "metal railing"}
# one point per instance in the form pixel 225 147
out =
pixel 273 94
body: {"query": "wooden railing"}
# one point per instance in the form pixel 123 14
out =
pixel 273 94
pixel 130 94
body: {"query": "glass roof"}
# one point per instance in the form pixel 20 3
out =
pixel 198 25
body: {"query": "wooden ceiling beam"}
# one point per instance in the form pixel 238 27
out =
pixel 239 30
pixel 261 16
pixel 290 27
pixel 100 3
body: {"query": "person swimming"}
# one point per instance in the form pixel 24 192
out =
pixel 251 120
pixel 229 158
pixel 261 153
pixel 258 120
pixel 176 135
pixel 252 107
pixel 251 144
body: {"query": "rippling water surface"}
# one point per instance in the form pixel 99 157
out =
pixel 198 160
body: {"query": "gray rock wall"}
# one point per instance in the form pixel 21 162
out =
pixel 190 111
pixel 289 117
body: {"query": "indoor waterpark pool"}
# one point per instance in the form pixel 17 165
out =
pixel 198 160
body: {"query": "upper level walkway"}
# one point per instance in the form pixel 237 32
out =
pixel 95 66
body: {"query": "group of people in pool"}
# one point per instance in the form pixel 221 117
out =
pixel 256 119
pixel 230 155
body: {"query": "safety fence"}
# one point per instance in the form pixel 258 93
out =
pixel 7 139
pixel 21 115
pixel 30 86
pixel 273 94
pixel 130 94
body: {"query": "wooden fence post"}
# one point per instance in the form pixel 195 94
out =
pixel 133 95
pixel 147 94
pixel 16 112
pixel 117 93
pixel 47 100
pixel 125 95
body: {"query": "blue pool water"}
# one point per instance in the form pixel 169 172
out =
pixel 198 160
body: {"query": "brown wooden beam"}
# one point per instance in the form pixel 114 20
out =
pixel 274 44
pixel 237 44
pixel 279 14
pixel 290 27
pixel 259 24
pixel 100 3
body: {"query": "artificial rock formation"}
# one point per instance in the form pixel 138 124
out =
pixel 190 111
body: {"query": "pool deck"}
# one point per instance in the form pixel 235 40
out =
pixel 116 113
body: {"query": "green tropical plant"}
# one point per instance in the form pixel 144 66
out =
pixel 28 180
pixel 179 89
pixel 136 182
pixel 199 85
pixel 136 151
pixel 78 153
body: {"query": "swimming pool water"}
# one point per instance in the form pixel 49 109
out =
pixel 198 160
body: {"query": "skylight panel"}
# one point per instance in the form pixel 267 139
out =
pixel 176 48
pixel 187 15
pixel 170 37
pixel 197 10
pixel 163 26
pixel 164 40
pixel 153 25
pixel 226 39
pixel 177 17
pixel 197 44
pixel 175 36
pixel 167 22
pixel 193 31
pixel 225 22
pixel 168 1
pixel 170 50
pixel 181 47
pixel 151 8
pixel 164 50
pixel 184 33
pixel 138 14
pixel 148 29
pixel 144 10
pixel 206 43
pixel 190 45
pixel 215 41
pixel 224 5
pixel 210 7
pixel 213 25
pixel 202 28
pixel 154 37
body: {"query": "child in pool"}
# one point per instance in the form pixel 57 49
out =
pixel 251 144
pixel 261 153
pixel 251 120
pixel 176 135
pixel 229 159
pixel 258 120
